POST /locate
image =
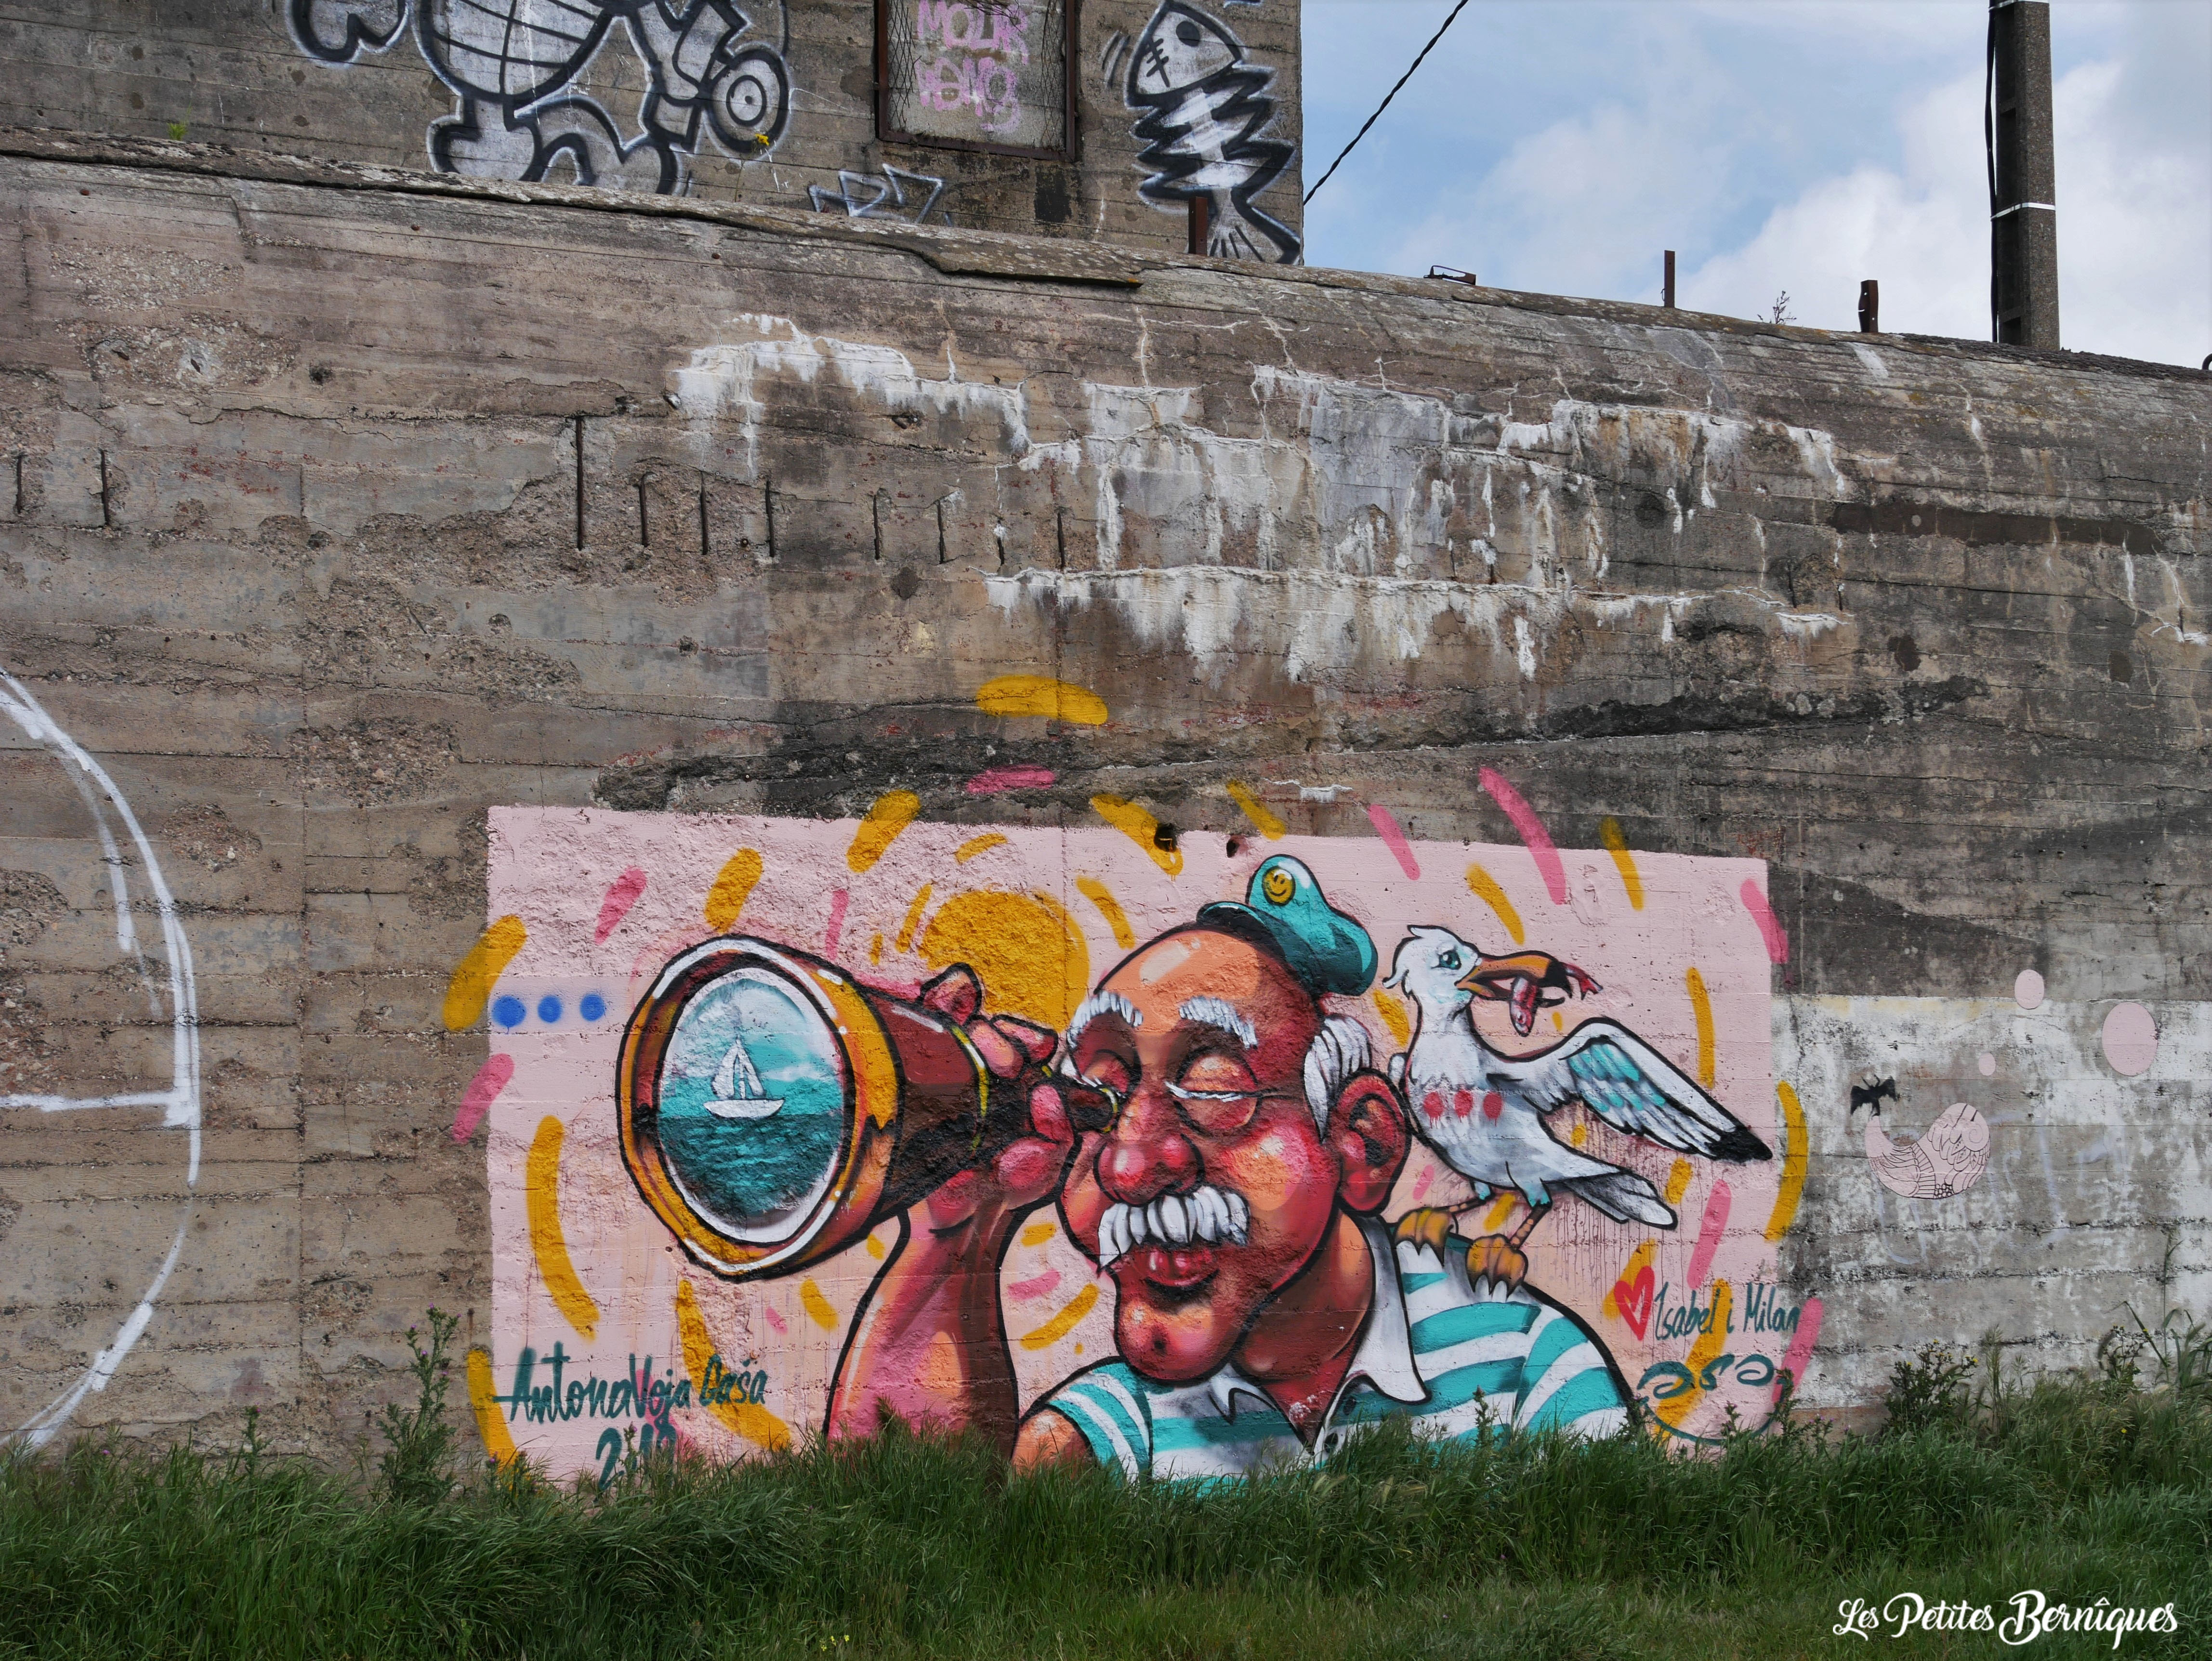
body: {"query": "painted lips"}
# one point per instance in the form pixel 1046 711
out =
pixel 1173 1269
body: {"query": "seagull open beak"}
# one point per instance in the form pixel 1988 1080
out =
pixel 1520 980
pixel 1494 977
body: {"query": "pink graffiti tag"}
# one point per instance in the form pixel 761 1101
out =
pixel 1542 848
pixel 996 780
pixel 1709 1233
pixel 484 1090
pixel 1394 839
pixel 1770 926
pixel 975 65
pixel 622 894
pixel 1801 1347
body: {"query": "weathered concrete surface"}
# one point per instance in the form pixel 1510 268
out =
pixel 351 510
pixel 269 77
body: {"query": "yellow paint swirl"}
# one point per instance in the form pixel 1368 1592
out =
pixel 748 1419
pixel 469 988
pixel 1062 1324
pixel 484 1401
pixel 1255 810
pixel 1108 908
pixel 733 886
pixel 1486 888
pixel 1608 832
pixel 1701 1006
pixel 890 814
pixel 1794 1152
pixel 1702 1355
pixel 542 1202
pixel 1140 827
pixel 1040 695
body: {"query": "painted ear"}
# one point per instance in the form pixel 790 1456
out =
pixel 1367 1132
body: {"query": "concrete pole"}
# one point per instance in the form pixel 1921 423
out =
pixel 2024 197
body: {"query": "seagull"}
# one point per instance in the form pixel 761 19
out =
pixel 1483 1112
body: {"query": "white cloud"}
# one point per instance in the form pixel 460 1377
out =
pixel 1798 148
pixel 2135 230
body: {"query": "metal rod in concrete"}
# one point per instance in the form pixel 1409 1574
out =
pixel 1666 291
pixel 2023 190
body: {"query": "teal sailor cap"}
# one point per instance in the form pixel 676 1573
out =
pixel 1327 950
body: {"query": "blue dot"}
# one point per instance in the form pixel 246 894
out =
pixel 509 1012
pixel 549 1009
pixel 591 1006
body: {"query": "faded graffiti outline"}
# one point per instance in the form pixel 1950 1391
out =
pixel 180 1103
pixel 853 190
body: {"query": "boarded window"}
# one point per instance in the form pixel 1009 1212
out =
pixel 975 74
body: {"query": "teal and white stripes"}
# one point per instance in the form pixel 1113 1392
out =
pixel 1516 1356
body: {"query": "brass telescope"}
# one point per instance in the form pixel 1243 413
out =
pixel 773 1110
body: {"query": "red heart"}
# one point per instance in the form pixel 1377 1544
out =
pixel 1633 1300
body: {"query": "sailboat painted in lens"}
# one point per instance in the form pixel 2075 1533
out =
pixel 737 1090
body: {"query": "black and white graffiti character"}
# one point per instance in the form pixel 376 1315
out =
pixel 511 59
pixel 1204 114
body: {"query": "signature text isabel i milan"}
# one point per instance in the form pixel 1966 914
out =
pixel 2033 1616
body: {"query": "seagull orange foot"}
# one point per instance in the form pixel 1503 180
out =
pixel 1425 1225
pixel 1494 1257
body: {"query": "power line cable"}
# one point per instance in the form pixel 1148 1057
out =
pixel 1385 104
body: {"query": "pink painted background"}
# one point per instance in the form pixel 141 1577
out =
pixel 573 876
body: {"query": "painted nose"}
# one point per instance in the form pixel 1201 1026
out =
pixel 1147 1155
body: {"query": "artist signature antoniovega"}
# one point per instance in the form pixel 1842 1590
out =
pixel 2033 1616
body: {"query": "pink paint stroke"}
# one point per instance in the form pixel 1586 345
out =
pixel 1541 845
pixel 1428 1181
pixel 1025 1290
pixel 622 894
pixel 1709 1233
pixel 1394 839
pixel 838 902
pixel 484 1090
pixel 1801 1347
pixel 994 781
pixel 775 1320
pixel 1770 926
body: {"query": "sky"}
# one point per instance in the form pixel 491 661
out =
pixel 1777 145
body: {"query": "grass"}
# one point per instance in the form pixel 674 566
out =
pixel 904 1546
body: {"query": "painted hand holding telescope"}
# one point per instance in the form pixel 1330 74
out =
pixel 773 1110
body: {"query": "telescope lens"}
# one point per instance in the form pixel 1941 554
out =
pixel 751 1117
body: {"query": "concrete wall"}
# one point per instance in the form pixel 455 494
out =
pixel 366 81
pixel 442 584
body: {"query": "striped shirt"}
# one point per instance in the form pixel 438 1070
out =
pixel 1436 1349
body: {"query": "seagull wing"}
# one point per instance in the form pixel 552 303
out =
pixel 1632 1087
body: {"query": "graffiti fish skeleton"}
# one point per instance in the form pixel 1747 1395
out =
pixel 1204 112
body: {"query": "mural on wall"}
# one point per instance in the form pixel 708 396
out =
pixel 63 1241
pixel 1095 1139
pixel 976 72
pixel 1203 115
pixel 511 64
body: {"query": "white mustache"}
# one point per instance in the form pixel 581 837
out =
pixel 1206 1214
